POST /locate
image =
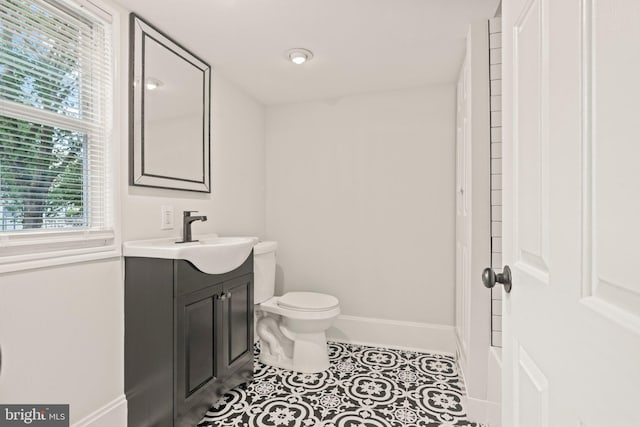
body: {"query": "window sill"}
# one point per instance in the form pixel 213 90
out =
pixel 20 252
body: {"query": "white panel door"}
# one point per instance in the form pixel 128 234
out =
pixel 463 213
pixel 571 164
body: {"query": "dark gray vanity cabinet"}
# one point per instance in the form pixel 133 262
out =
pixel 237 335
pixel 188 339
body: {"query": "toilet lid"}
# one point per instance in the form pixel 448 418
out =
pixel 308 301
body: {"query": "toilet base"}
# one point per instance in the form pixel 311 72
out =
pixel 310 354
pixel 292 339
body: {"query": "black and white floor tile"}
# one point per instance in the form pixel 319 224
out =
pixel 364 387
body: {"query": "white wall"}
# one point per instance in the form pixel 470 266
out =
pixel 62 328
pixel 360 197
pixel 61 332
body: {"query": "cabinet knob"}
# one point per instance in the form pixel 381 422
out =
pixel 223 296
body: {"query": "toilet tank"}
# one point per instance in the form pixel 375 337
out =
pixel 264 271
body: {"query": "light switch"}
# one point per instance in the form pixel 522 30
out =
pixel 166 217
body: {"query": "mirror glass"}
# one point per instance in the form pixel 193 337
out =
pixel 170 104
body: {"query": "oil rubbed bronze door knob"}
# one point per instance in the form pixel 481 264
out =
pixel 490 278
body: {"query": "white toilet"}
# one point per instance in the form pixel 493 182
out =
pixel 291 328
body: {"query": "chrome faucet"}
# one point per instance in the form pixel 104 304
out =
pixel 187 219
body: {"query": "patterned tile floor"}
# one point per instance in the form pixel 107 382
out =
pixel 364 387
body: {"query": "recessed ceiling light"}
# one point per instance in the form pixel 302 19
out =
pixel 152 83
pixel 299 55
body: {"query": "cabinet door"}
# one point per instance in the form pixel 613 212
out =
pixel 196 334
pixel 236 347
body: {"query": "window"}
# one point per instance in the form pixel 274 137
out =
pixel 55 122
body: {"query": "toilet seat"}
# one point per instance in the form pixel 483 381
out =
pixel 308 301
pixel 272 305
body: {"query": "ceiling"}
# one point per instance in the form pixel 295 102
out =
pixel 359 46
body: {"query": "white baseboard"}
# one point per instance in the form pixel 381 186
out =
pixel 424 337
pixel 113 414
pixel 461 351
pixel 494 415
pixel 488 412
pixel 482 411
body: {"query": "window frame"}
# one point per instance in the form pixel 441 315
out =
pixel 37 248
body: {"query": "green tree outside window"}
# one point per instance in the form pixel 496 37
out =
pixel 43 179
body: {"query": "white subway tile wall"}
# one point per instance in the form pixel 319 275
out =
pixel 496 321
pixel 496 306
pixel 496 118
pixel 496 339
pixel 496 166
pixel 496 246
pixel 496 150
pixel 495 77
pixel 496 182
pixel 494 56
pixel 496 229
pixel 496 213
pixel 496 86
pixel 496 264
pixel 495 25
pixel 496 134
pixel 496 198
pixel 495 71
pixel 495 38
pixel 496 103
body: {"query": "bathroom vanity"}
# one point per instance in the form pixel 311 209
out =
pixel 188 338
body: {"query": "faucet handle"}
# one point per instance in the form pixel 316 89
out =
pixel 188 213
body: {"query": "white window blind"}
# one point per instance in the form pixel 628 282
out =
pixel 55 121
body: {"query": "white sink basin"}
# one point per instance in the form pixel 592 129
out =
pixel 211 254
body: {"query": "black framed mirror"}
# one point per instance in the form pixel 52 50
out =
pixel 169 111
